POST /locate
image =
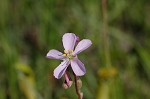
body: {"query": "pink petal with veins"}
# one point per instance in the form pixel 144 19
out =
pixel 82 45
pixel 55 54
pixel 78 67
pixel 69 40
pixel 60 70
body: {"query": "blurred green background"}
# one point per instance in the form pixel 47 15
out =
pixel 30 28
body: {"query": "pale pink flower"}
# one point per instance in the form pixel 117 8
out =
pixel 70 55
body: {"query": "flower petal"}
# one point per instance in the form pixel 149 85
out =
pixel 78 67
pixel 60 70
pixel 82 45
pixel 55 54
pixel 69 40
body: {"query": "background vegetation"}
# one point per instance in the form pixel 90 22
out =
pixel 30 28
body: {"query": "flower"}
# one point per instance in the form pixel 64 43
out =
pixel 70 55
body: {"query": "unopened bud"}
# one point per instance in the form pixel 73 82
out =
pixel 81 94
pixel 77 39
pixel 79 83
pixel 68 84
pixel 64 85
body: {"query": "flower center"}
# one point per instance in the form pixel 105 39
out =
pixel 68 54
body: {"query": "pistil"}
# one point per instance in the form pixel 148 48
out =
pixel 68 54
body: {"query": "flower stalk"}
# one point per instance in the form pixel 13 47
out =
pixel 105 34
pixel 78 85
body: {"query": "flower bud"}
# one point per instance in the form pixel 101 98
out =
pixel 66 85
pixel 79 83
pixel 68 82
pixel 77 39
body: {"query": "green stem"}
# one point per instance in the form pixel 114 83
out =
pixel 105 34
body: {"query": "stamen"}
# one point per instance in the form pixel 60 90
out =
pixel 65 51
pixel 71 51
pixel 68 53
pixel 64 54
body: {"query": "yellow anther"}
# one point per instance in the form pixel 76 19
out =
pixel 64 54
pixel 65 51
pixel 71 51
